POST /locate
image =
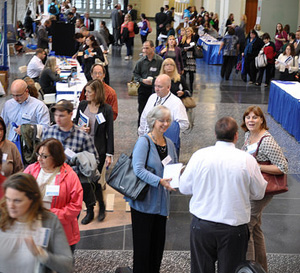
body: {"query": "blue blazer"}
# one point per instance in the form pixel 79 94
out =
pixel 157 200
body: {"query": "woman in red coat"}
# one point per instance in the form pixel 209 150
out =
pixel 127 32
pixel 269 50
pixel 60 186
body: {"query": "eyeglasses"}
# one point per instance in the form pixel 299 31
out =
pixel 42 156
pixel 19 95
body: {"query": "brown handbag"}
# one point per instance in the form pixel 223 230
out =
pixel 188 102
pixel 276 183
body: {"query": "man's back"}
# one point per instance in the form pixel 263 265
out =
pixel 226 177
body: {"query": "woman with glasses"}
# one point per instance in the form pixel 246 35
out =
pixel 178 84
pixel 149 215
pixel 11 159
pixel 59 185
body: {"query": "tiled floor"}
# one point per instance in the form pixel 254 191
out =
pixel 215 98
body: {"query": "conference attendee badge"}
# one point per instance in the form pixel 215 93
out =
pixel 251 149
pixel 4 157
pixel 100 118
pixel 52 190
pixel 69 153
pixel 26 117
pixel 42 236
pixel 153 69
pixel 166 160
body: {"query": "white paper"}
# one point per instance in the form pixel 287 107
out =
pixel 173 171
pixel 83 119
pixel 69 153
pixel 166 160
pixel 4 157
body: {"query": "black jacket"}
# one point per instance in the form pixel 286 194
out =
pixel 104 132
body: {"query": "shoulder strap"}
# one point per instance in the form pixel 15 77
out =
pixel 148 149
pixel 256 152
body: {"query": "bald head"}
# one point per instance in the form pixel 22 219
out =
pixel 19 90
pixel 162 85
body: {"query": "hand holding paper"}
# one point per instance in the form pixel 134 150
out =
pixel 173 171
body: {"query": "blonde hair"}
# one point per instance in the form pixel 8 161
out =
pixel 51 63
pixel 184 37
pixel 244 18
pixel 175 75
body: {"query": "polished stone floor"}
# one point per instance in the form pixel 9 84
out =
pixel 215 98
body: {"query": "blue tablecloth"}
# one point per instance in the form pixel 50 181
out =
pixel 285 109
pixel 210 52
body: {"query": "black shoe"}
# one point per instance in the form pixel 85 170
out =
pixel 101 215
pixel 88 218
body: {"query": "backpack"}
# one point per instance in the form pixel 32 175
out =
pixel 125 35
pixel 136 28
pixel 52 9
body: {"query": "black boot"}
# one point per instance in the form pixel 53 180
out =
pixel 89 216
pixel 101 214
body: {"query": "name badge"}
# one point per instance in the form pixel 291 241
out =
pixel 100 118
pixel 52 190
pixel 4 157
pixel 166 160
pixel 69 153
pixel 153 69
pixel 252 148
pixel 26 117
pixel 42 236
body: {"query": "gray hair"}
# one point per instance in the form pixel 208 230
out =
pixel 158 112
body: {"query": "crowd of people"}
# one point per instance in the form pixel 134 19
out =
pixel 47 191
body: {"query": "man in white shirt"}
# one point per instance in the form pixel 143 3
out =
pixel 164 97
pixel 221 179
pixel 35 66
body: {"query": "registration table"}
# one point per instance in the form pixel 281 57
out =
pixel 210 47
pixel 68 90
pixel 284 105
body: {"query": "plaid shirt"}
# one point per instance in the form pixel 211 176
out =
pixel 76 140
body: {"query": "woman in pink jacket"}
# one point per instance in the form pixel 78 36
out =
pixel 60 187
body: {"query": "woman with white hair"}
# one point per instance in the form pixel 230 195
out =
pixel 149 215
pixel 49 76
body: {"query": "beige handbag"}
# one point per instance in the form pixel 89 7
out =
pixel 98 61
pixel 133 88
pixel 188 102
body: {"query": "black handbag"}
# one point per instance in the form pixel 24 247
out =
pixel 124 180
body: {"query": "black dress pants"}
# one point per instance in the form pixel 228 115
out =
pixel 211 242
pixel 228 64
pixel 149 234
pixel 144 93
pixel 251 69
pixel 269 68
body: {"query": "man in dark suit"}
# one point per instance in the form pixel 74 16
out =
pixel 132 12
pixel 116 20
pixel 161 19
pixel 71 19
pixel 40 8
pixel 76 14
pixel 297 43
pixel 88 22
pixel 169 14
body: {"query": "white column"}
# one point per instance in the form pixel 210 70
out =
pixel 46 4
pixel 224 12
